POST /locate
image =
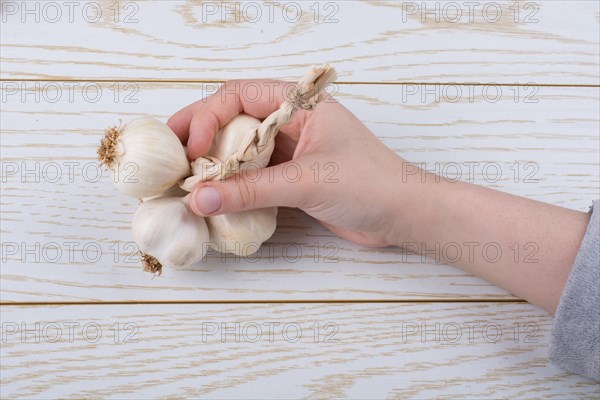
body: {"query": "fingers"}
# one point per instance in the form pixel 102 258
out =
pixel 197 123
pixel 204 125
pixel 180 121
pixel 250 190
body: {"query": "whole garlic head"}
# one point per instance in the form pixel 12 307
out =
pixel 242 233
pixel 145 157
pixel 167 232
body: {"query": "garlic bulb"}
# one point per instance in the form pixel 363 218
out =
pixel 232 136
pixel 168 233
pixel 242 233
pixel 145 157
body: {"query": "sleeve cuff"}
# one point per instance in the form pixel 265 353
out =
pixel 575 333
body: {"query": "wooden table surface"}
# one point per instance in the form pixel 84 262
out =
pixel 505 94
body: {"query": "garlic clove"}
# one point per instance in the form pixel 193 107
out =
pixel 229 139
pixel 227 142
pixel 234 136
pixel 242 233
pixel 145 157
pixel 168 233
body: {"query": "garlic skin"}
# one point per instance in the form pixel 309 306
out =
pixel 242 233
pixel 228 140
pixel 166 229
pixel 145 157
pixel 232 136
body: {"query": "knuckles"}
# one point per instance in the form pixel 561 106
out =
pixel 247 194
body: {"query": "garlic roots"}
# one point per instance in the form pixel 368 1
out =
pixel 145 157
pixel 147 161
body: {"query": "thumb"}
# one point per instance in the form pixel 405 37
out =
pixel 279 185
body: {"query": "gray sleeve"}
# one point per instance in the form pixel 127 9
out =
pixel 575 341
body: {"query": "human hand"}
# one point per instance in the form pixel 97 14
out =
pixel 374 199
pixel 326 162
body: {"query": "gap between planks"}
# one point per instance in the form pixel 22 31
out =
pixel 309 301
pixel 65 79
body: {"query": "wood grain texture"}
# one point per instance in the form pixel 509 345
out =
pixel 367 351
pixel 381 41
pixel 66 231
pixel 66 234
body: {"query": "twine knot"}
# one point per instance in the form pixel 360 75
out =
pixel 299 101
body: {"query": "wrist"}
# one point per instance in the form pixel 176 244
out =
pixel 418 195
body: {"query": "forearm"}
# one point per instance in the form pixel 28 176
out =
pixel 521 245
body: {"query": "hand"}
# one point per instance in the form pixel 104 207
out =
pixel 348 177
pixel 375 201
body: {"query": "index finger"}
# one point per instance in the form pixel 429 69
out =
pixel 197 123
